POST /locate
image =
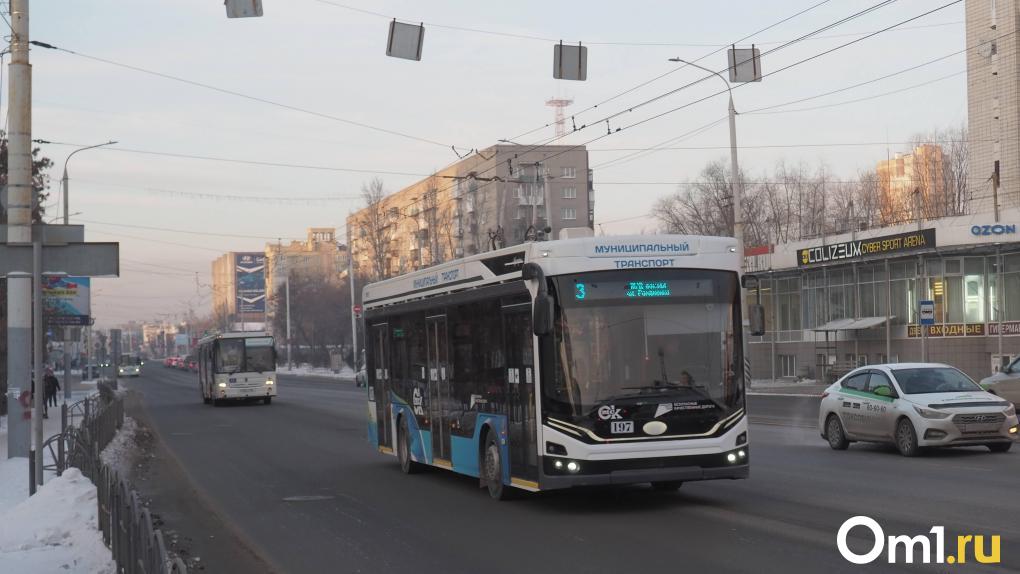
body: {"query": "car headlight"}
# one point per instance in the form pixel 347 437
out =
pixel 930 414
pixel 1010 410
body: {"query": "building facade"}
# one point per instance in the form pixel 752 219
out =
pixel 239 290
pixel 500 196
pixel 319 256
pixel 993 110
pixel 912 186
pixel 855 298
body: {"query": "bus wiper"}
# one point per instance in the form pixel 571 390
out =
pixel 656 385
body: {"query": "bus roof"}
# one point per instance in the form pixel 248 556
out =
pixel 233 335
pixel 558 257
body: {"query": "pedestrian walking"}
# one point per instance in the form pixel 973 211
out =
pixel 52 386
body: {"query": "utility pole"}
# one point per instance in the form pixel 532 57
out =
pixel 21 197
pixel 354 318
pixel 737 195
pixel 290 365
pixel 39 396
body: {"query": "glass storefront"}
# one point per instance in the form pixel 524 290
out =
pixel 963 288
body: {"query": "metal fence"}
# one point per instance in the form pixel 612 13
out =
pixel 127 527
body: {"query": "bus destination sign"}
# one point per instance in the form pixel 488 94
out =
pixel 860 248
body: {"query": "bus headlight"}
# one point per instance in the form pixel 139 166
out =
pixel 573 466
pixel 269 381
pixel 732 457
pixel 223 385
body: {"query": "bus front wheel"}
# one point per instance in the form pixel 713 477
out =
pixel 492 469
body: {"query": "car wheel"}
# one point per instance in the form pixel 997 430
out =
pixel 906 438
pixel 492 469
pixel 407 465
pixel 667 485
pixel 835 434
pixel 1000 446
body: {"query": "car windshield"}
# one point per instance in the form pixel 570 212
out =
pixel 934 380
pixel 646 336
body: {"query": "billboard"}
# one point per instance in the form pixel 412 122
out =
pixel 66 300
pixel 250 282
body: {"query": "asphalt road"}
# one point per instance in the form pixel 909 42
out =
pixel 301 485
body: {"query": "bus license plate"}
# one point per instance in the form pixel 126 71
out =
pixel 622 427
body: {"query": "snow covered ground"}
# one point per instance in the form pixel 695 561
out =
pixel 309 371
pixel 56 530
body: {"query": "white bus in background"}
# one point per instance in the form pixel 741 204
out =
pixel 237 366
pixel 547 365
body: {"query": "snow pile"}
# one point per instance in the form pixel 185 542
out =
pixel 117 455
pixel 307 370
pixel 55 530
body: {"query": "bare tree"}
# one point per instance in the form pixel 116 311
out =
pixel 372 227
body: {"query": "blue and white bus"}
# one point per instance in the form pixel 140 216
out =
pixel 547 365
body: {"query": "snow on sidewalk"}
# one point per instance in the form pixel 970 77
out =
pixel 55 530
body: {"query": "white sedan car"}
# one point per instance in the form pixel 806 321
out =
pixel 915 405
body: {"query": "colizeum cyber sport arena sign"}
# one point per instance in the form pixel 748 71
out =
pixel 860 248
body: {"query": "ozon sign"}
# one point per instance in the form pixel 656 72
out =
pixel 996 229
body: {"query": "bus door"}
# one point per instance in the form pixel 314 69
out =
pixel 439 386
pixel 380 334
pixel 520 375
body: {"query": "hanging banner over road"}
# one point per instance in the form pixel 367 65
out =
pixel 66 300
pixel 860 248
pixel 250 282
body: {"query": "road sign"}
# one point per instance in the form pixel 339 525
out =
pixel 356 309
pixel 927 312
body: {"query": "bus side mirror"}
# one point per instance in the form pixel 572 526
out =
pixel 542 322
pixel 756 318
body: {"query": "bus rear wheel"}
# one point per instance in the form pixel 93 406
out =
pixel 407 465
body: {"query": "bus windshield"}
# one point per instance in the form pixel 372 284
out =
pixel 658 344
pixel 251 355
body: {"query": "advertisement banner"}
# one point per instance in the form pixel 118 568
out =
pixel 250 282
pixel 66 300
pixel 860 248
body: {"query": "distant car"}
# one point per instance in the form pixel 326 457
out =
pixel 129 371
pixel 915 405
pixel 361 377
pixel 1005 383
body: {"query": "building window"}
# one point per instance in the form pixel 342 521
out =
pixel 569 213
pixel 568 173
pixel 517 192
pixel 787 365
pixel 520 212
pixel 569 193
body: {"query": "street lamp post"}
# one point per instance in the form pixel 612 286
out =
pixel 736 189
pixel 65 181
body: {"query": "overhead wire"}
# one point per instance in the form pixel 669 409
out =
pixel 250 97
pixel 780 70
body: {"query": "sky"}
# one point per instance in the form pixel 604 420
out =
pixel 345 112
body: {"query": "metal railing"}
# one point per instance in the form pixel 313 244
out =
pixel 137 546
